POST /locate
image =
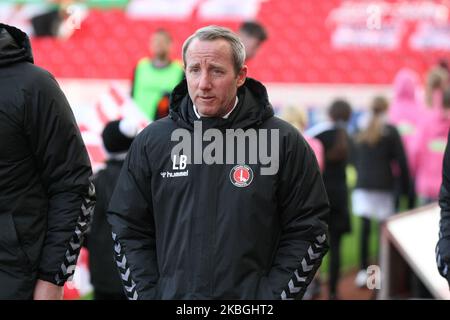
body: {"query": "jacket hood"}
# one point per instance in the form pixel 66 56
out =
pixel 253 108
pixel 405 85
pixel 14 46
pixel 405 104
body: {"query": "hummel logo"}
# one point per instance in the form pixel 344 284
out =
pixel 168 174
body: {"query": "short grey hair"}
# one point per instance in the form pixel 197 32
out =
pixel 211 33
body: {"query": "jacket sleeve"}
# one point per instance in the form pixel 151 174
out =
pixel 62 161
pixel 130 214
pixel 443 245
pixel 399 155
pixel 304 211
pixel 96 212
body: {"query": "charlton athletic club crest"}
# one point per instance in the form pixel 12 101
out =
pixel 241 176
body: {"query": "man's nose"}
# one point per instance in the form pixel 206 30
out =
pixel 205 81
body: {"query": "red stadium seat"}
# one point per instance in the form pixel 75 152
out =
pixel 299 49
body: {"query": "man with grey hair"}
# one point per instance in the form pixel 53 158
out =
pixel 197 216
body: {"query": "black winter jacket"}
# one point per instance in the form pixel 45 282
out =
pixel 45 194
pixel 196 235
pixel 335 142
pixel 443 246
pixel 373 163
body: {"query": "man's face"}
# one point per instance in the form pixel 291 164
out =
pixel 211 78
pixel 160 45
pixel 251 45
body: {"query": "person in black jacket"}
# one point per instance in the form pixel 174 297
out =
pixel 443 245
pixel 206 227
pixel 334 138
pixel 117 138
pixel 377 148
pixel 46 197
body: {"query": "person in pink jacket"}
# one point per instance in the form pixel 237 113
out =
pixel 406 113
pixel 298 119
pixel 429 150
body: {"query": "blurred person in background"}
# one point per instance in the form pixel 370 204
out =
pixel 335 140
pixel 437 80
pixel 58 18
pixel 162 108
pixel 377 145
pixel 407 113
pixel 429 151
pixel 155 76
pixel 105 277
pixel 46 198
pixel 252 35
pixel 443 245
pixel 299 120
pixel 19 14
pixel 443 64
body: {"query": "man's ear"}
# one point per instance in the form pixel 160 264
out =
pixel 242 75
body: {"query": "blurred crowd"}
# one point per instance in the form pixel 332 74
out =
pixel 49 18
pixel 397 150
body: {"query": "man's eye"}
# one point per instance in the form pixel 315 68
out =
pixel 217 71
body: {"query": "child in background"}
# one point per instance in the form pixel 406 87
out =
pixel 376 147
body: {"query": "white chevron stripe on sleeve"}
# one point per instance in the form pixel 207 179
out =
pixel 292 287
pixel 313 255
pixel 126 275
pixel 321 239
pixel 299 279
pixel 117 247
pixel 284 296
pixel 122 264
pixel 125 272
pixel 130 288
pixel 305 266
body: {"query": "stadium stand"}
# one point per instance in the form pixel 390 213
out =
pixel 109 43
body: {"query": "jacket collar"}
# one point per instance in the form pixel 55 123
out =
pixel 253 108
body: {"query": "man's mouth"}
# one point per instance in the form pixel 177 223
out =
pixel 206 98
